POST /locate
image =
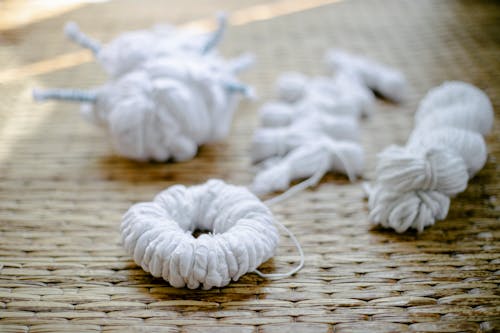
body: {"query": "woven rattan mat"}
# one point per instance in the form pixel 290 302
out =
pixel 62 192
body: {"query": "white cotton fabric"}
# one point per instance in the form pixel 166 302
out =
pixel 242 234
pixel 166 109
pixel 311 128
pixel 278 141
pixel 314 157
pixel 291 87
pixel 169 92
pixel 414 184
pixel 456 98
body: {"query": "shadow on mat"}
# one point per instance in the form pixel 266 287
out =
pixel 155 290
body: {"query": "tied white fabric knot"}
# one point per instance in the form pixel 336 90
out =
pixel 312 159
pixel 413 184
pixel 384 80
pixel 311 129
pixel 242 235
pixel 268 142
pixel 165 107
pixel 435 169
pixel 470 146
pixel 401 211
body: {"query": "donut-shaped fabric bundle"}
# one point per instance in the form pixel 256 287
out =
pixel 241 234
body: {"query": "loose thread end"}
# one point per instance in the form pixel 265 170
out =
pixel 222 18
pixel 367 189
pixel 38 95
pixel 250 93
pixel 311 181
pixel 240 88
pixel 294 270
pixel 72 95
pixel 242 62
pixel 73 32
pixel 217 34
pixel 351 175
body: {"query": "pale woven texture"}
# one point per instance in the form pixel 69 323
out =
pixel 62 193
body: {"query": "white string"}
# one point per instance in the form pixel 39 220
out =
pixel 76 35
pixel 309 182
pixel 217 35
pixel 293 271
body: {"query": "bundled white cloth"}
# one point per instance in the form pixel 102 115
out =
pixel 164 101
pixel 313 128
pixel 242 234
pixel 414 183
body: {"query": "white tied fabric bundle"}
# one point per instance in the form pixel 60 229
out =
pixel 279 141
pixel 413 184
pixel 313 126
pixel 166 106
pixel 306 136
pixel 312 159
pixel 242 234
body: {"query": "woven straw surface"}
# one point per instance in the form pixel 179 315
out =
pixel 62 191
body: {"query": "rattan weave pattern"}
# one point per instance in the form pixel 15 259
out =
pixel 62 193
